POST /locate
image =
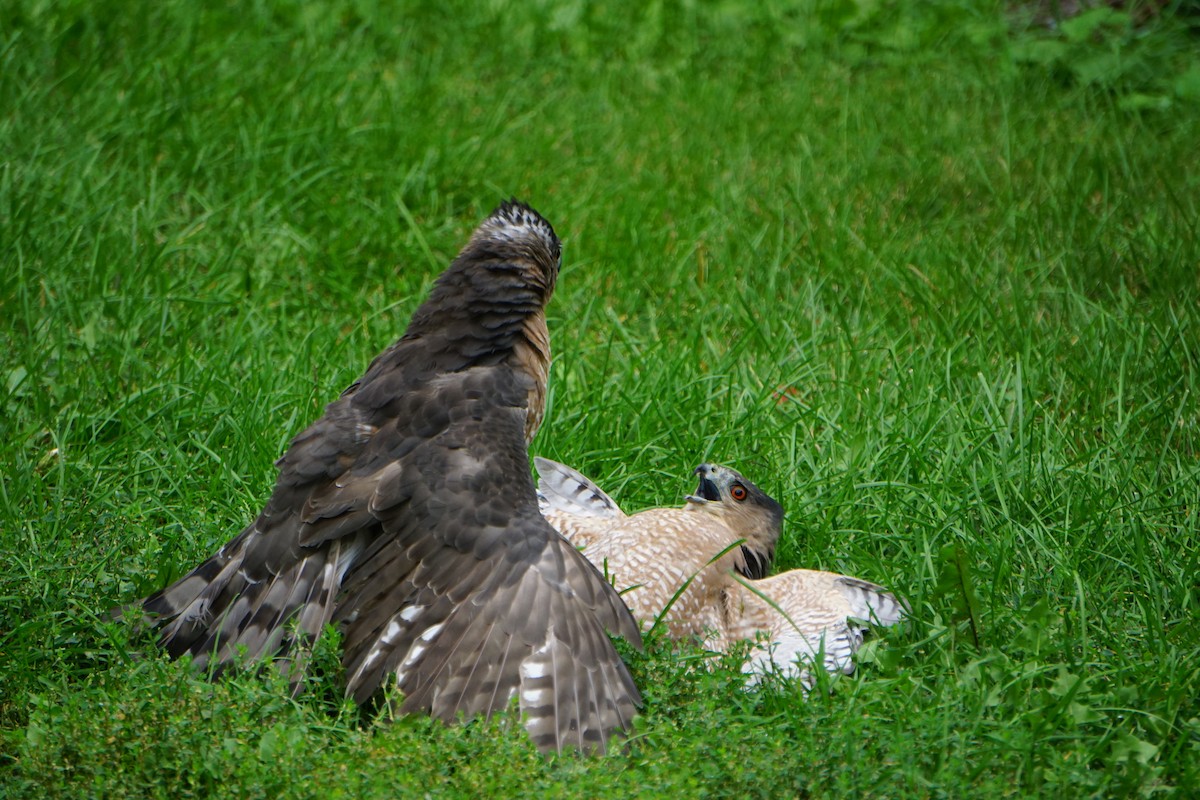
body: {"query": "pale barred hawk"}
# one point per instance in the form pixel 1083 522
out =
pixel 718 548
pixel 407 516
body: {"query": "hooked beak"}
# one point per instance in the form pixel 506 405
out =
pixel 707 490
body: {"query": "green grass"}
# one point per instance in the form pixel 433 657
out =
pixel 942 302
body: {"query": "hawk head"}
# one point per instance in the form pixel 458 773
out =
pixel 499 281
pixel 515 234
pixel 749 511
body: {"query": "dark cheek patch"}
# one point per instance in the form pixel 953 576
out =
pixel 756 566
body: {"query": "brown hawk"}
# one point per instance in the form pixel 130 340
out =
pixel 702 568
pixel 407 516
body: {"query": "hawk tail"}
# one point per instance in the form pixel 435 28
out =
pixel 536 642
pixel 871 602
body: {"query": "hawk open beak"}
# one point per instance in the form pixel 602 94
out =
pixel 707 490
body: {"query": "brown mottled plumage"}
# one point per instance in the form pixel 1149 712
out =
pixel 800 614
pixel 407 516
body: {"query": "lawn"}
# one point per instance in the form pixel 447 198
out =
pixel 928 276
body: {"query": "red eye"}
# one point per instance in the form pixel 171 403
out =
pixel 738 491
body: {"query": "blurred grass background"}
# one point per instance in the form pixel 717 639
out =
pixel 927 272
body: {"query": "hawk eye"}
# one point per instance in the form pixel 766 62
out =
pixel 738 491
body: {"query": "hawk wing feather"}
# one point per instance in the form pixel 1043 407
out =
pixel 457 617
pixel 568 491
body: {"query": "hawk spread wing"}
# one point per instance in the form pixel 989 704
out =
pixel 407 515
pixel 795 618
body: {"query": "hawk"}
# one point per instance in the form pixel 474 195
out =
pixel 407 517
pixel 702 569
